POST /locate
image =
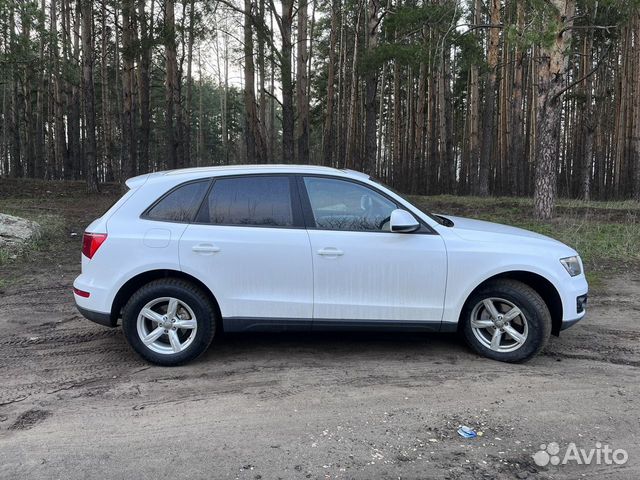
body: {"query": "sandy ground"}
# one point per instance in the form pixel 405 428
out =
pixel 75 402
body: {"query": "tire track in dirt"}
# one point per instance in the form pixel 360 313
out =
pixel 34 290
pixel 59 339
pixel 597 358
pixel 29 419
pixel 57 360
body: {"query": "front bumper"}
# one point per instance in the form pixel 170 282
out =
pixel 98 317
pixel 570 323
pixel 580 312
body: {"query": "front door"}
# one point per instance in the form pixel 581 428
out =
pixel 363 273
pixel 250 247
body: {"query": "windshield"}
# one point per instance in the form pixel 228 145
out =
pixel 437 218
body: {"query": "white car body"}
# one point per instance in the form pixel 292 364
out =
pixel 302 278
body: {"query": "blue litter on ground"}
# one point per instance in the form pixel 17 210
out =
pixel 467 432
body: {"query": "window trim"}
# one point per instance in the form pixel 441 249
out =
pixel 309 218
pixel 294 198
pixel 145 214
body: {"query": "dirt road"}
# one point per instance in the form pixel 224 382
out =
pixel 75 402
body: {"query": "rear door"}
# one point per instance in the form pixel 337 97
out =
pixel 363 273
pixel 250 247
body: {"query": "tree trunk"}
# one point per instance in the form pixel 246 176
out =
pixel 75 165
pixel 15 165
pixel 588 113
pixel 200 147
pixel 341 99
pixel 189 93
pixel 301 84
pixel 474 114
pixel 129 123
pixel 517 154
pixel 4 166
pixel 488 112
pixel 40 155
pixel 371 91
pixel 60 152
pixel 89 97
pixel 223 81
pixel 351 143
pixel 286 21
pixel 432 105
pixel 255 144
pixel 418 149
pixel 224 105
pixel 144 83
pixel 329 128
pixel 552 73
pixel 396 157
pixel 107 134
pixel 172 92
pixel 263 100
pixel 26 123
pixel 635 140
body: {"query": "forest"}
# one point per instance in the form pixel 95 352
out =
pixel 466 97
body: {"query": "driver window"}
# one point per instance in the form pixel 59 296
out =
pixel 343 205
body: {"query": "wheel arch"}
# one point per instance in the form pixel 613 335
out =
pixel 136 282
pixel 540 284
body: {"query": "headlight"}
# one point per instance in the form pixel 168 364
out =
pixel 572 264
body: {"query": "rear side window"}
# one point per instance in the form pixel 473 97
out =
pixel 263 201
pixel 180 204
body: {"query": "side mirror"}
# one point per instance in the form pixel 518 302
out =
pixel 403 222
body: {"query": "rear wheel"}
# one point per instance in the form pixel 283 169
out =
pixel 507 321
pixel 169 322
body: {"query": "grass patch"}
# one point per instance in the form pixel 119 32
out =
pixel 52 231
pixel 596 242
pixel 571 203
pixel 58 206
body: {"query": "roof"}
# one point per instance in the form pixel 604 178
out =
pixel 255 168
pixel 201 172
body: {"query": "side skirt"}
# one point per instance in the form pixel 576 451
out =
pixel 256 324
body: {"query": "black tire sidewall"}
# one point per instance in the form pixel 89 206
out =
pixel 534 309
pixel 184 292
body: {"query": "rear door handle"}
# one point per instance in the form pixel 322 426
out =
pixel 205 248
pixel 330 252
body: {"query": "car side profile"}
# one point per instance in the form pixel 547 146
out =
pixel 185 254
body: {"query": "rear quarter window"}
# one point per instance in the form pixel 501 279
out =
pixel 180 204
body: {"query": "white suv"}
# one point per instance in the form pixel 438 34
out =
pixel 187 253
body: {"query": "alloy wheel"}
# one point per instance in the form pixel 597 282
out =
pixel 167 325
pixel 499 325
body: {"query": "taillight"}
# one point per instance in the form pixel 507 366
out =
pixel 91 243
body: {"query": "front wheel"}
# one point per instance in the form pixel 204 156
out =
pixel 507 321
pixel 169 322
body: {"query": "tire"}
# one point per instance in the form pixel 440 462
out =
pixel 171 339
pixel 520 337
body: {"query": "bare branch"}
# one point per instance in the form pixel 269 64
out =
pixel 584 77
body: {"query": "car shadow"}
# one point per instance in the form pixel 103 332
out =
pixel 444 347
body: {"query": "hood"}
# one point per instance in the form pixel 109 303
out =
pixel 479 230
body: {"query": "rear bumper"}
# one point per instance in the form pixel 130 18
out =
pixel 98 317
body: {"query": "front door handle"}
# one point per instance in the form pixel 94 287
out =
pixel 205 248
pixel 330 252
